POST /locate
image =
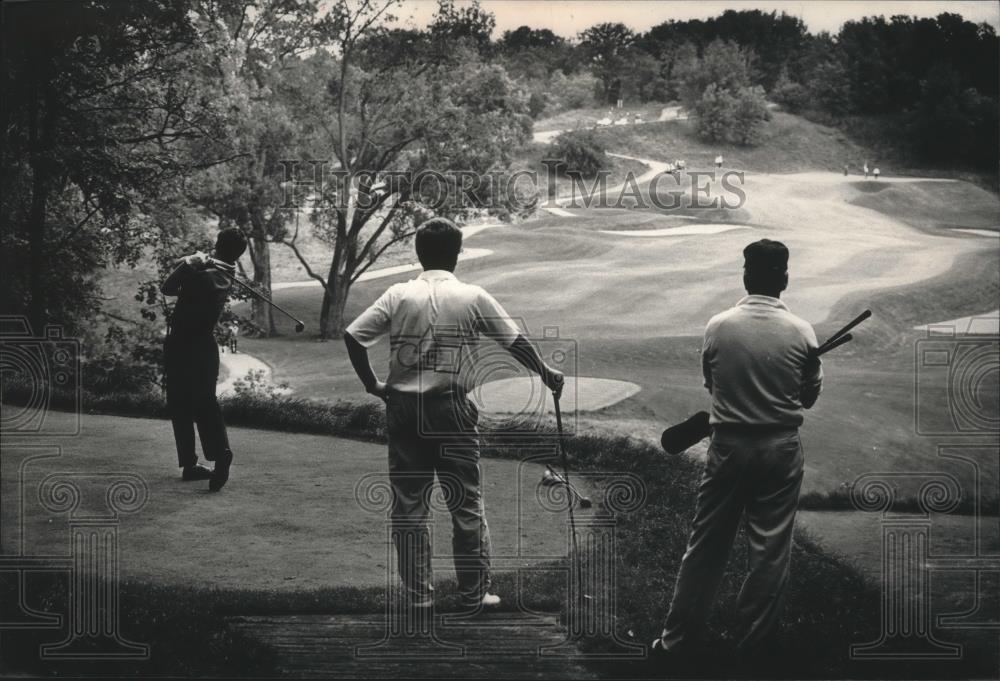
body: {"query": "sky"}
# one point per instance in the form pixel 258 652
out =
pixel 568 17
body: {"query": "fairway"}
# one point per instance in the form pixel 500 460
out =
pixel 632 308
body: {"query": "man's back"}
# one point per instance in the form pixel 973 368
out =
pixel 753 359
pixel 434 323
pixel 200 300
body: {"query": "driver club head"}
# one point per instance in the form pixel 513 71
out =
pixel 299 327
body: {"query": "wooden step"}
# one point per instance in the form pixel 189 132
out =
pixel 507 645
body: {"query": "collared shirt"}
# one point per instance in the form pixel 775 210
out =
pixel 201 296
pixel 435 323
pixel 753 359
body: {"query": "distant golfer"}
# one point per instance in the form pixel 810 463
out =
pixel 847 169
pixel 758 365
pixel 876 172
pixel 434 323
pixel 866 170
pixel 234 336
pixel 191 358
pixel 719 161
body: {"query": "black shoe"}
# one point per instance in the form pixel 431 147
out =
pixel 195 472
pixel 221 473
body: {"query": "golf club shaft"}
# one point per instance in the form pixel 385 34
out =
pixel 261 296
pixel 850 325
pixel 827 347
pixel 565 465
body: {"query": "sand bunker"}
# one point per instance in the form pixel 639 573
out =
pixel 526 395
pixel 979 232
pixel 986 324
pixel 686 230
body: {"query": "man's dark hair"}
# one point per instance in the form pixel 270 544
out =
pixel 438 244
pixel 765 266
pixel 230 244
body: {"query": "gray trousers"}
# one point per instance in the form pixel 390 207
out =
pixel 753 474
pixel 428 436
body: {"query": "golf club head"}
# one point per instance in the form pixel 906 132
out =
pixel 299 327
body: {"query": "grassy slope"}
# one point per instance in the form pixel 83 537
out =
pixel 586 118
pixel 789 144
pixel 933 205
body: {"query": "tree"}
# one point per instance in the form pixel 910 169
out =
pixel 470 26
pixel 789 93
pixel 97 107
pixel 251 44
pixel 606 46
pixel 727 116
pixel 723 63
pixel 383 119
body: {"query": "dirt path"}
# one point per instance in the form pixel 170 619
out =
pixel 237 367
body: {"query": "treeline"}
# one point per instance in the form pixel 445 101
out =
pixel 132 129
pixel 935 79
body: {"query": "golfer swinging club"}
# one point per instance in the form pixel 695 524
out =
pixel 432 321
pixel 759 367
pixel 191 357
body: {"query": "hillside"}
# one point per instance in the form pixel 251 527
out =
pixel 789 144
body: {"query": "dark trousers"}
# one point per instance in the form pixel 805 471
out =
pixel 756 476
pixel 192 370
pixel 429 435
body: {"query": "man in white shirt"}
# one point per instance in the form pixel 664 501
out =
pixel 760 366
pixel 434 323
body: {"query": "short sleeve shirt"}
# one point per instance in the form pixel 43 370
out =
pixel 436 325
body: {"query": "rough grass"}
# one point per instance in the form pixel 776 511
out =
pixel 932 205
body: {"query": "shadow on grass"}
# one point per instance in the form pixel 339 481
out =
pixel 830 605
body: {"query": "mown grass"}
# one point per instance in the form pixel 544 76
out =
pixel 830 604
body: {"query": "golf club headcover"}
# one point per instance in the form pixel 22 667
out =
pixel 676 439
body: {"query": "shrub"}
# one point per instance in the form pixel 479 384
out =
pixel 255 385
pixel 793 96
pixel 581 153
pixel 128 360
pixel 725 116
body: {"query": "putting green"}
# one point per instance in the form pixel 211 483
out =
pixel 527 395
pixel 686 230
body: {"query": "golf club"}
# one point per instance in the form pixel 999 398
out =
pixel 679 437
pixel 551 477
pixel 299 325
pixel 575 557
pixel 833 344
pixel 847 327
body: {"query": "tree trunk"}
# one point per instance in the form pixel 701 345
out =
pixel 39 132
pixel 261 314
pixel 332 322
pixel 338 285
